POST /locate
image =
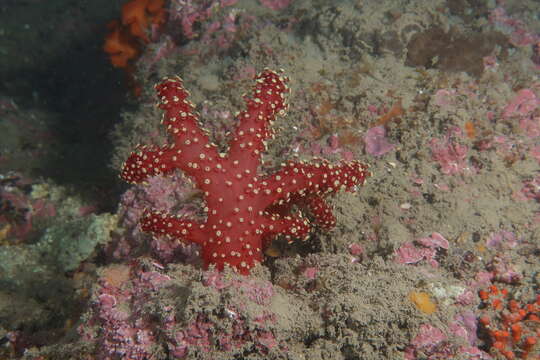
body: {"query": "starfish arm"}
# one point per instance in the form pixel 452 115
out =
pixel 321 212
pixel 186 230
pixel 191 151
pixel 182 124
pixel 148 161
pixel 319 209
pixel 298 179
pixel 254 123
pixel 289 226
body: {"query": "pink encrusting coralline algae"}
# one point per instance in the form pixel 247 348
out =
pixel 121 323
pixel 276 4
pixel 173 193
pixel 451 155
pixel 410 253
pixel 214 23
pixel 377 143
pixel 116 323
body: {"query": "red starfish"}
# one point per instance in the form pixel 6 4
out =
pixel 245 209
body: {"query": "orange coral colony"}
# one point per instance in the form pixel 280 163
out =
pixel 121 42
pixel 138 14
pixel 120 46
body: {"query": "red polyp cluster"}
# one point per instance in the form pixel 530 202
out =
pixel 513 329
pixel 244 208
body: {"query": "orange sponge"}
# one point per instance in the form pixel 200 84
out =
pixel 138 14
pixel 423 302
pixel 119 45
